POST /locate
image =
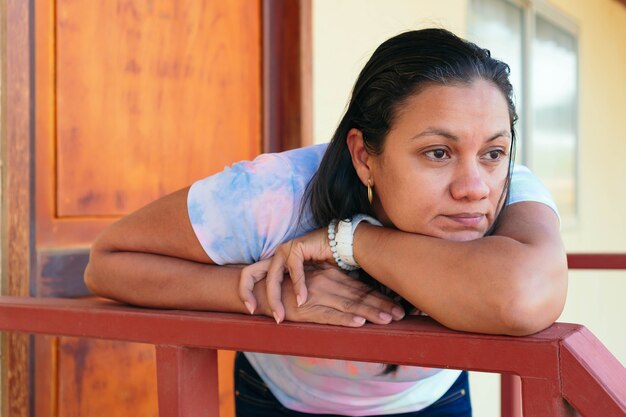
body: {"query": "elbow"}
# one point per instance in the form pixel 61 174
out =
pixel 89 277
pixel 522 320
pixel 93 276
pixel 534 305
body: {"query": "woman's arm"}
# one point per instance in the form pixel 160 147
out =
pixel 514 282
pixel 152 258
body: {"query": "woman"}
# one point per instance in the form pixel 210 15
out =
pixel 425 147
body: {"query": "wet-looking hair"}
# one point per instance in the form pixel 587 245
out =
pixel 399 68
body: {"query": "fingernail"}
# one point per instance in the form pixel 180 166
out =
pixel 397 312
pixel 359 320
pixel 299 300
pixel 276 317
pixel 385 316
pixel 249 307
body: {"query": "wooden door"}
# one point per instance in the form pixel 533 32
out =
pixel 112 104
pixel 134 100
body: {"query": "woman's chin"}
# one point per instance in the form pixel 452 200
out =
pixel 458 235
pixel 461 235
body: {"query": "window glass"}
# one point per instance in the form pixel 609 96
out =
pixel 549 76
pixel 554 97
pixel 497 25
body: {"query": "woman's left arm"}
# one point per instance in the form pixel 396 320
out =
pixel 513 282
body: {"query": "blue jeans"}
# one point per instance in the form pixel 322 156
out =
pixel 254 399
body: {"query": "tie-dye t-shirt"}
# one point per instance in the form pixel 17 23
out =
pixel 242 214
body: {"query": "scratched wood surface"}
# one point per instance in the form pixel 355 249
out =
pixel 16 203
pixel 99 377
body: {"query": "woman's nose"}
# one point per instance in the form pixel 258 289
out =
pixel 469 183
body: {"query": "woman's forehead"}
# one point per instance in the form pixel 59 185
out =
pixel 474 110
pixel 450 104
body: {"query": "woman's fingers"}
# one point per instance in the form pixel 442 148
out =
pixel 312 247
pixel 328 315
pixel 339 311
pixel 332 288
pixel 273 285
pixel 346 301
pixel 350 287
pixel 291 256
pixel 373 298
pixel 295 266
pixel 250 275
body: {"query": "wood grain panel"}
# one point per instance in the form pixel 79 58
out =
pixel 150 96
pixel 17 245
pixel 52 231
pixel 100 378
pixel 46 382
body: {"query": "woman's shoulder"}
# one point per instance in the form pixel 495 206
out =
pixel 527 187
pixel 302 160
pixel 242 213
pixel 268 171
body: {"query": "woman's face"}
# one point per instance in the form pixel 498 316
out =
pixel 444 162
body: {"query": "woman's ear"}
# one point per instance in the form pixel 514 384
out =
pixel 361 159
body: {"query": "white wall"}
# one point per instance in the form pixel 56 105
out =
pixel 346 32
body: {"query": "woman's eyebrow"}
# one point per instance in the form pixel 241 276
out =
pixel 449 135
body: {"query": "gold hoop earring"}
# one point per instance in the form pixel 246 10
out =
pixel 370 193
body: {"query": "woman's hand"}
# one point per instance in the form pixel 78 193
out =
pixel 338 299
pixel 289 257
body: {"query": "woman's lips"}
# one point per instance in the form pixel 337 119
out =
pixel 467 219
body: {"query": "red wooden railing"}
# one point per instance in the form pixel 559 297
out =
pixel 561 368
pixel 596 261
pixel 510 399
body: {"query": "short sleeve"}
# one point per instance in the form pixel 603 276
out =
pixel 525 186
pixel 241 214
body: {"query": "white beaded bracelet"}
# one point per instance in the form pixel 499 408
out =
pixel 333 247
pixel 341 236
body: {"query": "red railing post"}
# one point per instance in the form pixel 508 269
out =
pixel 591 376
pixel 187 382
pixel 510 395
pixel 542 398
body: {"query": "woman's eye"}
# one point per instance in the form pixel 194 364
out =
pixel 437 154
pixel 494 155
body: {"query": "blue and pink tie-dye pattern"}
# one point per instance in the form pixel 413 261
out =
pixel 242 214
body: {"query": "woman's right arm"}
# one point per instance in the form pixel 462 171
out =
pixel 152 258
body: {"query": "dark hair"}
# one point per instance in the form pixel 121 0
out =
pixel 398 69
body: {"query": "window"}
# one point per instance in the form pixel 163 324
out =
pixel 540 46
